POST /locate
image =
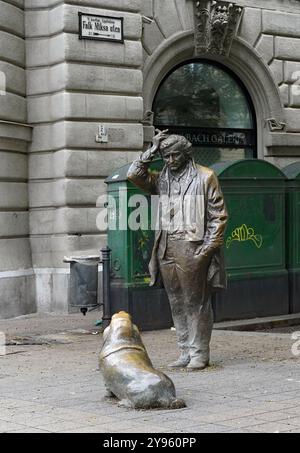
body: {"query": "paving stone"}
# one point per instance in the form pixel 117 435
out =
pixel 61 426
pixel 139 428
pixel 243 422
pixel 293 421
pixel 88 429
pixel 28 430
pixel 243 431
pixel 294 410
pixel 6 426
pixel 273 428
pixel 275 416
pixel 27 419
pixel 209 428
pixel 71 401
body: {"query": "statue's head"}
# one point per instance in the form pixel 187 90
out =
pixel 176 151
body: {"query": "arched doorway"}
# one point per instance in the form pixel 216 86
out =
pixel 208 104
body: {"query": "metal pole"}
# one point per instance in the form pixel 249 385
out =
pixel 106 251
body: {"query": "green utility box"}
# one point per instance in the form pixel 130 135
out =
pixel 258 282
pixel 131 253
pixel 293 233
pixel 254 191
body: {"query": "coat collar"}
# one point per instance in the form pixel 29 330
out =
pixel 165 177
pixel 192 173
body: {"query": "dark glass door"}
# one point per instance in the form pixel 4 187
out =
pixel 210 106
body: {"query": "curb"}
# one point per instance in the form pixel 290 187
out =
pixel 259 323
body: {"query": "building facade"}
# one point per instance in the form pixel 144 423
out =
pixel 73 110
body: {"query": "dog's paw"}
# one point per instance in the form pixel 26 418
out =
pixel 126 403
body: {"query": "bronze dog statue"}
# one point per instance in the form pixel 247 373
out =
pixel 128 372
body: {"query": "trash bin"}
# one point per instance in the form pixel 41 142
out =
pixel 292 172
pixel 130 254
pixel 254 192
pixel 83 282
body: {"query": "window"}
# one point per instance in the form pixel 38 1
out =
pixel 207 104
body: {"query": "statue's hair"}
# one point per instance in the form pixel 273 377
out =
pixel 176 142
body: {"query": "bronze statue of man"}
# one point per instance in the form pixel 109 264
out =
pixel 187 248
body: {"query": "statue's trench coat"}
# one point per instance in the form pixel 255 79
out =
pixel 202 181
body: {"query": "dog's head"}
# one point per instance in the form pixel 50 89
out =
pixel 121 331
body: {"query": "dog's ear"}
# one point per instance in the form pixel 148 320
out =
pixel 135 328
pixel 106 332
pixel 136 333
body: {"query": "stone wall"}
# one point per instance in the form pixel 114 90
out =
pixel 275 36
pixel 269 34
pixel 73 86
pixel 16 276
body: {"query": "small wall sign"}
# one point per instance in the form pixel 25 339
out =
pixel 102 28
pixel 102 136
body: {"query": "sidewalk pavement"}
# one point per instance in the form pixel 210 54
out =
pixel 50 382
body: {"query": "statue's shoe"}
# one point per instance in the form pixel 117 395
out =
pixel 182 362
pixel 197 364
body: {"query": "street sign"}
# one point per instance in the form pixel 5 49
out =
pixel 102 28
pixel 222 137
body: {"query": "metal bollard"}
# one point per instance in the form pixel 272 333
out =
pixel 106 251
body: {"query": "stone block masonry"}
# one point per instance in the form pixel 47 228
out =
pixel 73 86
pixel 17 287
pixel 275 35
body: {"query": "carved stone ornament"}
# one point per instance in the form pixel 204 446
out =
pixel 216 26
pixel 148 118
pixel 275 125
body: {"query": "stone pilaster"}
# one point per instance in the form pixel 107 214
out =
pixel 17 289
pixel 73 86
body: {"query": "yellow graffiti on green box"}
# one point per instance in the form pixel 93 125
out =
pixel 243 234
